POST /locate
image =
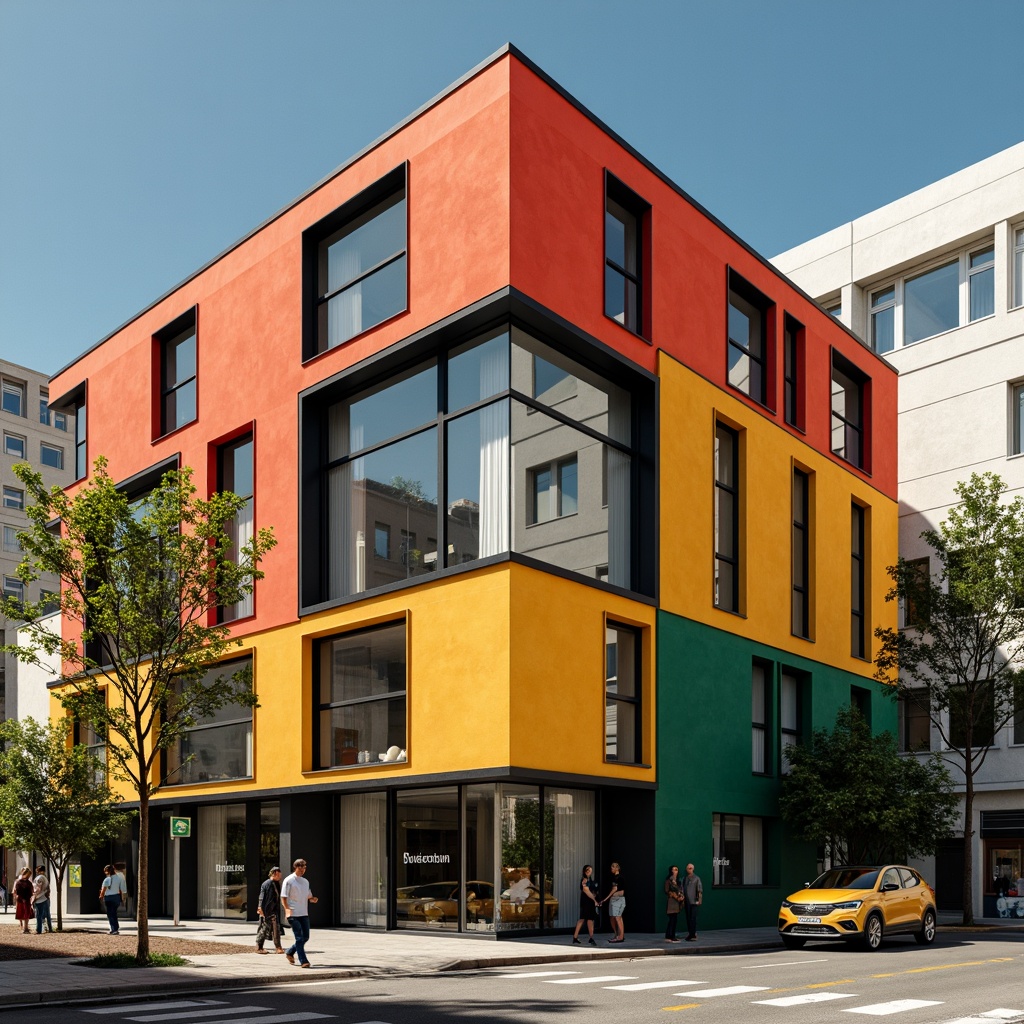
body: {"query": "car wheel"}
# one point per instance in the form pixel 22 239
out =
pixel 792 942
pixel 926 936
pixel 873 930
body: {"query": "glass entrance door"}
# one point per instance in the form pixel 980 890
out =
pixel 427 859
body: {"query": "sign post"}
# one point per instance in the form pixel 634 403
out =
pixel 181 828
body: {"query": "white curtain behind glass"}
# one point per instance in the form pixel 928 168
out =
pixel 574 847
pixel 753 858
pixel 363 863
pixel 618 493
pixel 345 311
pixel 213 850
pixel 494 455
pixel 241 535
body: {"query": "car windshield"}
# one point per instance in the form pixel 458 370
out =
pixel 847 878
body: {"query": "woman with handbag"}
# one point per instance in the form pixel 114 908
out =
pixel 112 894
pixel 23 899
pixel 674 900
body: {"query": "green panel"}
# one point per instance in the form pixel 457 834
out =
pixel 705 761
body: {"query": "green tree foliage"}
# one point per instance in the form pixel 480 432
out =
pixel 853 793
pixel 140 585
pixel 54 797
pixel 960 656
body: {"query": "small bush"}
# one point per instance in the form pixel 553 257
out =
pixel 124 960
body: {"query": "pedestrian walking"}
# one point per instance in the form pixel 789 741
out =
pixel 588 904
pixel 268 909
pixel 616 900
pixel 693 895
pixel 295 898
pixel 674 902
pixel 23 899
pixel 41 899
pixel 112 893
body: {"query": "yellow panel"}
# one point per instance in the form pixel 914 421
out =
pixel 689 408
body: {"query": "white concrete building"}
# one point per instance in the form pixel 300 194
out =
pixel 935 282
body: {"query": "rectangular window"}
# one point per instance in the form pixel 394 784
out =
pixel 738 848
pixel 235 474
pixel 848 404
pixel 915 727
pixel 915 606
pixel 95 742
pixel 81 467
pixel 44 406
pixel 759 705
pixel 555 490
pixel 883 320
pixel 50 455
pixel 727 514
pixel 793 360
pixel 1018 267
pixel 857 570
pixel 790 716
pixel 14 397
pixel 381 541
pixel 356 265
pixel 835 309
pixel 218 747
pixel 748 365
pixel 14 497
pixel 11 542
pixel 1018 714
pixel 14 445
pixel 623 681
pixel 801 599
pixel 981 283
pixel 972 711
pixel 624 268
pixel 931 302
pixel 13 587
pixel 360 698
pixel 178 373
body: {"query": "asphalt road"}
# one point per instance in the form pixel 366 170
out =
pixel 960 979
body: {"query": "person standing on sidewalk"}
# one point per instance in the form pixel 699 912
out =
pixel 295 898
pixel 616 900
pixel 588 904
pixel 23 899
pixel 693 896
pixel 112 892
pixel 41 899
pixel 268 907
pixel 674 902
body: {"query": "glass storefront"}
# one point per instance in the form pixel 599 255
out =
pixel 364 865
pixel 222 890
pixel 427 857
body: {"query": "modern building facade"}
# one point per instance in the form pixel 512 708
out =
pixel 934 282
pixel 583 511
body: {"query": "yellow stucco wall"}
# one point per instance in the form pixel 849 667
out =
pixel 768 454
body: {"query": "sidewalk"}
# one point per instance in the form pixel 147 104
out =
pixel 345 953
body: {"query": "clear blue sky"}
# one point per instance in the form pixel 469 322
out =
pixel 138 140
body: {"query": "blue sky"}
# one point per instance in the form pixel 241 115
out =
pixel 138 140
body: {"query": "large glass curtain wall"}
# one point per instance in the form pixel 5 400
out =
pixel 499 444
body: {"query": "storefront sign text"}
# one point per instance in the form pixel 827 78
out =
pixel 426 858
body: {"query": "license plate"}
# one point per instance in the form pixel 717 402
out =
pixel 808 920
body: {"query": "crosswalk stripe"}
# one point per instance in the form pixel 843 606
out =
pixel 732 990
pixel 535 974
pixel 592 980
pixel 1001 1013
pixel 807 997
pixel 177 1004
pixel 198 1014
pixel 643 986
pixel 894 1006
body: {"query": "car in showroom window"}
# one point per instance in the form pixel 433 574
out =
pixel 860 904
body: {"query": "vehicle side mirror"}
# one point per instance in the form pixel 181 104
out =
pixel 890 887
pixel 807 885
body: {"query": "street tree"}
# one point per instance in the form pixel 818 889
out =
pixel 54 795
pixel 958 660
pixel 852 793
pixel 141 583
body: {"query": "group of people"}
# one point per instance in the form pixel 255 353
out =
pixel 293 896
pixel 32 899
pixel 686 894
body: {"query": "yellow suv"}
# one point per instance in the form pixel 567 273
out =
pixel 860 904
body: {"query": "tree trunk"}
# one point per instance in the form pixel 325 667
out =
pixel 142 879
pixel 59 872
pixel 968 894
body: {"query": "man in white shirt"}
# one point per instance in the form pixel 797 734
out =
pixel 295 899
pixel 41 900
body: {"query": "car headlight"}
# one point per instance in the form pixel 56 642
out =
pixel 852 905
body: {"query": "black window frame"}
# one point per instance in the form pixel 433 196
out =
pixel 800 621
pixel 762 726
pixel 176 333
pixel 317 235
pixel 741 291
pixel 635 699
pixel 325 707
pixel 858 579
pixel 793 335
pixel 81 439
pixel 638 209
pixel 851 380
pixel 232 613
pixel 913 709
pixel 791 735
pixel 732 492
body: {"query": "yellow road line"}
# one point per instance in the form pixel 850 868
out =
pixel 685 1006
pixel 946 967
pixel 829 984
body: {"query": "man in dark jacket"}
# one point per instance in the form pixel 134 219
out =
pixel 268 908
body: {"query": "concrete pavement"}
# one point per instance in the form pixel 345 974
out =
pixel 334 953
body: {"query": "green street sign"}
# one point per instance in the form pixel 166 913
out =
pixel 181 828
